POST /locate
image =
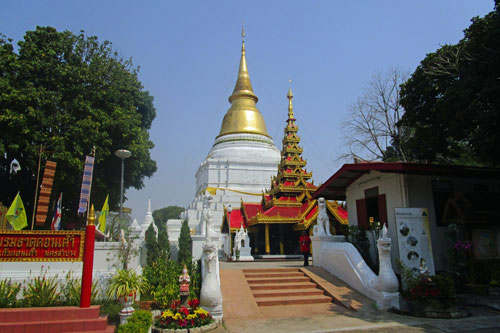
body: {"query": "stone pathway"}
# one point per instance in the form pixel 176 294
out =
pixel 242 314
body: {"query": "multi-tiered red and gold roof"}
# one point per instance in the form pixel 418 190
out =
pixel 290 198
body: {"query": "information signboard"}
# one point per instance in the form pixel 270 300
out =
pixel 414 238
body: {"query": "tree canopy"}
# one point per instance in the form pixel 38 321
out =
pixel 70 93
pixel 163 214
pixel 452 100
pixel 373 129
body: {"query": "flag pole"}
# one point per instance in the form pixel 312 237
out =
pixel 36 189
pixel 90 189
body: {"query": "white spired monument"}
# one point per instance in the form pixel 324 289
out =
pixel 241 162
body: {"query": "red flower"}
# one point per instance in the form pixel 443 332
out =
pixel 194 303
pixel 184 310
pixel 175 304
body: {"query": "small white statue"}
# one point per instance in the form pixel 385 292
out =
pixel 322 227
pixel 237 240
pixel 201 228
pixel 209 219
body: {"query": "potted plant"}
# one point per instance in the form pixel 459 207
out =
pixel 124 286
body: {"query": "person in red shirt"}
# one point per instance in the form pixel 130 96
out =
pixel 305 246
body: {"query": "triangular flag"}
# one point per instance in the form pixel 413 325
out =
pixel 16 215
pixel 103 214
pixel 56 221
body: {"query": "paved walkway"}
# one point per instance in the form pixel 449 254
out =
pixel 241 313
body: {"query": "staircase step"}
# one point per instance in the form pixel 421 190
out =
pixel 270 270
pixel 279 280
pixel 75 325
pixel 279 293
pixel 271 275
pixel 109 329
pixel 283 286
pixel 27 315
pixel 293 300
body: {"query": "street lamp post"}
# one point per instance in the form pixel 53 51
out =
pixel 122 154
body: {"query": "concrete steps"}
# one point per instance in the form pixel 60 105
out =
pixel 53 319
pixel 285 286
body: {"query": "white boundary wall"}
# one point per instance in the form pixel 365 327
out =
pixel 106 263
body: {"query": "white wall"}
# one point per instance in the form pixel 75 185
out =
pixel 392 185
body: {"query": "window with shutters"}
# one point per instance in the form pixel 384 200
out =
pixel 373 208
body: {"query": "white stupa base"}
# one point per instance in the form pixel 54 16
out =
pixel 245 254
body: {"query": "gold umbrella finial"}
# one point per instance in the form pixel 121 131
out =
pixel 243 39
pixel 91 219
pixel 290 105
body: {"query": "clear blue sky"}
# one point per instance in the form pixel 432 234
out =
pixel 189 51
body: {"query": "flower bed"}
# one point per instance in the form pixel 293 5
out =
pixel 178 317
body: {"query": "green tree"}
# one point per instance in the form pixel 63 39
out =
pixel 163 242
pixel 163 214
pixel 70 93
pixel 152 246
pixel 185 244
pixel 452 99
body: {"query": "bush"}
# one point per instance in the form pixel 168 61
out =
pixel 8 293
pixel 162 279
pixel 437 290
pixel 141 317
pixel 132 328
pixel 41 291
pixel 124 283
pixel 72 291
pixel 110 308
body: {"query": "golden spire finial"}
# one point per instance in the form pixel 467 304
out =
pixel 243 115
pixel 290 105
pixel 91 218
pixel 242 39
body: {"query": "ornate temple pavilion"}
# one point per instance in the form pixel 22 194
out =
pixel 276 223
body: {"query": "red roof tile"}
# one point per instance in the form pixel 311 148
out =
pixel 282 211
pixel 252 209
pixel 235 219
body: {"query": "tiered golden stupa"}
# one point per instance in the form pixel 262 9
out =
pixel 287 208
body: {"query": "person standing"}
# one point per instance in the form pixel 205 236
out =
pixel 305 246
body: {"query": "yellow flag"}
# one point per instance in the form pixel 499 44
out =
pixel 16 215
pixel 103 214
